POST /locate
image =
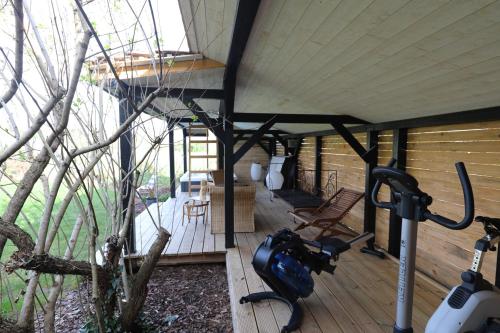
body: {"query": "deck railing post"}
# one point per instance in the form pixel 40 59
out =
pixel 126 165
pixel 399 139
pixel 171 156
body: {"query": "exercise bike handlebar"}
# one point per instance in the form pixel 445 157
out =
pixel 444 221
pixel 468 203
pixel 376 189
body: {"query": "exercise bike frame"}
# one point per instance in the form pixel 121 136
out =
pixel 411 205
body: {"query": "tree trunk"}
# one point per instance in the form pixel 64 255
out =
pixel 139 291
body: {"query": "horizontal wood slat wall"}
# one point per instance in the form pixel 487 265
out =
pixel 336 154
pixel 254 154
pixel 382 221
pixel 280 150
pixel 307 156
pixel 432 152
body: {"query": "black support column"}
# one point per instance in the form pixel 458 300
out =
pixel 171 155
pixel 229 178
pixel 370 209
pixel 184 150
pixel 317 164
pixel 126 165
pixel 399 139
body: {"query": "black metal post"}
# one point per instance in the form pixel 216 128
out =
pixel 317 165
pixel 184 150
pixel 229 181
pixel 171 154
pixel 370 209
pixel 272 144
pixel 220 143
pixel 497 275
pixel 126 165
pixel 399 140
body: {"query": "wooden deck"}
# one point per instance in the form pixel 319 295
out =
pixel 359 297
pixel 189 242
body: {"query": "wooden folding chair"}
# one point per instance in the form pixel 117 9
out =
pixel 329 214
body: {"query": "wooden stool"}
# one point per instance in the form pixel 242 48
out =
pixel 195 208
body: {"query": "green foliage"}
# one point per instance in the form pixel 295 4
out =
pixel 33 210
pixel 163 197
pixel 162 179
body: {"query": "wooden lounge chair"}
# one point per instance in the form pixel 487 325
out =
pixel 328 215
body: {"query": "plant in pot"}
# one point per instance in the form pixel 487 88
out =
pixel 151 199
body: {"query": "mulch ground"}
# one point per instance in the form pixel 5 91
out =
pixel 187 299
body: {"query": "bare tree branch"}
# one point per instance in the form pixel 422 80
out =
pixel 18 65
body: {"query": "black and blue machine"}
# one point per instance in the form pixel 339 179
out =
pixel 285 262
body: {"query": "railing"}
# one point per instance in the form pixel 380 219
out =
pixel 306 181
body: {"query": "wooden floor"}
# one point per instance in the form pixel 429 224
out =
pixel 359 297
pixel 189 242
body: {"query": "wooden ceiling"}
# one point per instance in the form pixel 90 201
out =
pixel 378 60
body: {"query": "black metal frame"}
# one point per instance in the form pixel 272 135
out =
pixel 184 150
pixel 369 209
pixel 399 141
pixel 253 140
pixel 461 117
pixel 125 110
pixel 368 156
pixel 291 118
pixel 171 155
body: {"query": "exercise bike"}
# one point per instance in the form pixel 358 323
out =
pixel 470 307
pixel 285 262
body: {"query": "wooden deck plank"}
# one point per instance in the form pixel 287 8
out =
pixel 209 242
pixel 220 243
pixel 199 238
pixel 243 315
pixel 187 240
pixel 263 310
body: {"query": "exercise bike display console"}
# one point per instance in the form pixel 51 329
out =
pixel 285 262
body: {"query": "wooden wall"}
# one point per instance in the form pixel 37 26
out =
pixel 336 154
pixel 254 154
pixel 382 220
pixel 280 150
pixel 307 153
pixel 307 161
pixel 432 152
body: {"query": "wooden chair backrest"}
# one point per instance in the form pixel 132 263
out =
pixel 339 204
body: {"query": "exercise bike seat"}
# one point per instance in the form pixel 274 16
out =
pixel 489 221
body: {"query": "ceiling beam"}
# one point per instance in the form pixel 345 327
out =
pixel 189 93
pixel 210 123
pixel 461 117
pixel 367 156
pixel 253 140
pixel 296 118
pixel 252 131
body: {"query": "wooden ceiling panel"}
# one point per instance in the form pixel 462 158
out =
pixel 209 26
pixel 377 60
